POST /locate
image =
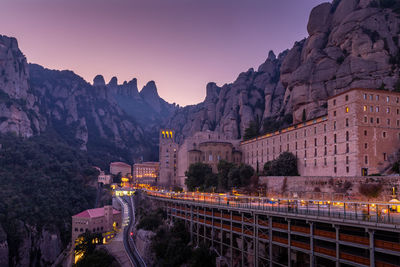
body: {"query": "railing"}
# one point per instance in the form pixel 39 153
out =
pixel 300 229
pixel 354 239
pixel 280 239
pixel 326 251
pixel 378 212
pixel 354 258
pixel 300 244
pixel 280 225
pixel 387 245
pixel 323 233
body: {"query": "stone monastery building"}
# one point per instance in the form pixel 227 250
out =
pixel 359 135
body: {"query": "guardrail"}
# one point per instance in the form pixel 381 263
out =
pixel 375 212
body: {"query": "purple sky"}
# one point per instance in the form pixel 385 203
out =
pixel 180 44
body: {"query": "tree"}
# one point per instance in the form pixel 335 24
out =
pixel 87 243
pixel 254 129
pixel 246 172
pixel 304 116
pixel 371 190
pixel 199 175
pixel 223 170
pixel 240 176
pixel 284 165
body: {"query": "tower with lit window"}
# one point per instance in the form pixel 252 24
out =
pixel 168 158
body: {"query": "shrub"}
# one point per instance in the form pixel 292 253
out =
pixel 340 60
pixel 284 165
pixel 371 190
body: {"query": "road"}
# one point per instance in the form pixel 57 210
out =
pixel 130 247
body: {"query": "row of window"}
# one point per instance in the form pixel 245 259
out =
pixel 377 97
pixel 377 109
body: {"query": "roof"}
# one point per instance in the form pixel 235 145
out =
pixel 215 142
pixel 93 213
pixel 365 90
pixel 120 164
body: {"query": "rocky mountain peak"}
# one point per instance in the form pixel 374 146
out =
pixel 149 90
pixel 212 91
pixel 271 56
pixel 98 81
pixel 113 82
pixel 150 95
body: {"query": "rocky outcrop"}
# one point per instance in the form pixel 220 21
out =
pixel 4 253
pixel 230 108
pixel 18 112
pixel 351 43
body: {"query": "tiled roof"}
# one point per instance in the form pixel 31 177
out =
pixel 120 164
pixel 93 213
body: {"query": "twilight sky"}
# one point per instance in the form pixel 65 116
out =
pixel 180 44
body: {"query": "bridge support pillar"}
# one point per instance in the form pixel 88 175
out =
pixel 231 238
pixel 256 241
pixel 337 246
pixel 270 240
pixel 191 224
pixel 289 245
pixel 311 244
pixel 371 247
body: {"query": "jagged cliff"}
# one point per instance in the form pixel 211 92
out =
pixel 351 43
pixel 107 118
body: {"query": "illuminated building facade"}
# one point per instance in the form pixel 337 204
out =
pixel 206 147
pixel 101 220
pixel 104 178
pixel 146 172
pixel 360 135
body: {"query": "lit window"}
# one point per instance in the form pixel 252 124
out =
pixel 347 109
pixel 365 108
pixel 387 110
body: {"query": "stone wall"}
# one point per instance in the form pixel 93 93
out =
pixel 326 187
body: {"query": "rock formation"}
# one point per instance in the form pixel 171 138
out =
pixel 351 43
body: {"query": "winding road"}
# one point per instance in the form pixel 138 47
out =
pixel 130 247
